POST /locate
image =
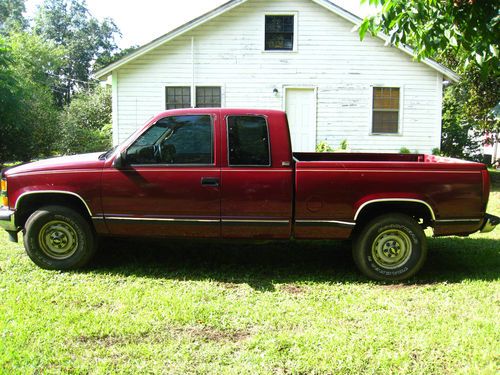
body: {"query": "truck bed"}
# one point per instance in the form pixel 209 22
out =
pixel 333 189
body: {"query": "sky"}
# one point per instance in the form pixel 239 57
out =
pixel 145 20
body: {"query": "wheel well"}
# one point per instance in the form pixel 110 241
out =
pixel 32 202
pixel 419 211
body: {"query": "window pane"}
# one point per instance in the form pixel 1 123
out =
pixel 175 140
pixel 386 98
pixel 177 97
pixel 279 33
pixel 248 140
pixel 208 97
pixel 385 122
pixel 385 110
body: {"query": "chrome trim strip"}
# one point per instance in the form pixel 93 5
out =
pixel 210 169
pixel 395 200
pixel 193 220
pixel 458 221
pixel 254 221
pixel 161 219
pixel 326 222
pixel 53 192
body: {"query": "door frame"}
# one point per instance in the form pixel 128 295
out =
pixel 315 112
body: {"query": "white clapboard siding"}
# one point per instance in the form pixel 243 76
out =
pixel 228 52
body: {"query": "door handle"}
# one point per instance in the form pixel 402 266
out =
pixel 210 181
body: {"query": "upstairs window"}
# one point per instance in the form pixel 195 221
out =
pixel 385 110
pixel 177 97
pixel 248 141
pixel 279 33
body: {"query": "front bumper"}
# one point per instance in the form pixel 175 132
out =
pixel 7 220
pixel 490 222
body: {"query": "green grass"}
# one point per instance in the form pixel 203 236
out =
pixel 184 307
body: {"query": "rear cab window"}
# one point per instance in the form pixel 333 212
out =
pixel 248 141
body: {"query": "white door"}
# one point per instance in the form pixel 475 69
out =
pixel 300 107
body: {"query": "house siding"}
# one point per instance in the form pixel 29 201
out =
pixel 228 52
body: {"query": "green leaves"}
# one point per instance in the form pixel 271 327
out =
pixel 68 23
pixel 28 116
pixel 433 26
pixel 85 122
pixel 363 28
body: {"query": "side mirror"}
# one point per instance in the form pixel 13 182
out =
pixel 120 161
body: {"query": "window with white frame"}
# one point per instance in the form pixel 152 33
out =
pixel 180 97
pixel 177 97
pixel 208 96
pixel 385 118
pixel 280 32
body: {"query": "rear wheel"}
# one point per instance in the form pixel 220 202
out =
pixel 59 238
pixel 390 247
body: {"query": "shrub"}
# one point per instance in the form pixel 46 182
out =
pixel 85 122
pixel 436 151
pixel 323 146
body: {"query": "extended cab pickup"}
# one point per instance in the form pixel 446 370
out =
pixel 230 173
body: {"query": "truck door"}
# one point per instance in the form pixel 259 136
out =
pixel 256 183
pixel 169 184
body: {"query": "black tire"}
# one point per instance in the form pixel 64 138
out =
pixel 58 238
pixel 391 247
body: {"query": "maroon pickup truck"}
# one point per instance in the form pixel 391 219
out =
pixel 231 174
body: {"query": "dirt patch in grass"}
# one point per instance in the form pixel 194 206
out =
pixel 202 333
pixel 212 334
pixel 292 289
pixel 227 285
pixel 398 286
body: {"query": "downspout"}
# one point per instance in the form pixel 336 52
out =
pixel 193 89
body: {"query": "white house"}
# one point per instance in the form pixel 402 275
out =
pixel 301 56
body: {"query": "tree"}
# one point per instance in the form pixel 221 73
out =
pixel 459 137
pixel 28 115
pixel 11 15
pixel 470 27
pixel 68 23
pixel 85 124
pixel 107 59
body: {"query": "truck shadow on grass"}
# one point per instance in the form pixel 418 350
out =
pixel 262 265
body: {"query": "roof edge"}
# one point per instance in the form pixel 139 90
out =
pixel 169 36
pixel 448 73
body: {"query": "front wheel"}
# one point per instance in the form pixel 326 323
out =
pixel 58 238
pixel 390 247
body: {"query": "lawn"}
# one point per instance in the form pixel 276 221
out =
pixel 182 307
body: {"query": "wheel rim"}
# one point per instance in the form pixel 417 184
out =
pixel 391 249
pixel 58 239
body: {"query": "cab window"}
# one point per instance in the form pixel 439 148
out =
pixel 248 141
pixel 175 140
